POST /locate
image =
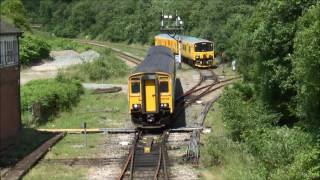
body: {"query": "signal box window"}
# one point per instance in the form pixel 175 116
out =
pixel 135 87
pixel 164 86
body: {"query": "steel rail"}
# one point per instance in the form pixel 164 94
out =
pixel 120 53
pixel 162 157
pixel 155 177
pixel 194 87
pixel 130 157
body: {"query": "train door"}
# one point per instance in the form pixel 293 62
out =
pixel 150 95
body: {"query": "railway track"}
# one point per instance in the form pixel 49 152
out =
pixel 202 88
pixel 123 55
pixel 140 164
pixel 148 158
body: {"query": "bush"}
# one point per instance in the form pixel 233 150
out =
pixel 66 44
pixel 277 147
pixel 284 153
pixel 242 116
pixel 306 165
pixel 107 66
pixel 33 49
pixel 234 157
pixel 53 95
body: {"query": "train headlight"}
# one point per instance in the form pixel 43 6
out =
pixel 136 106
pixel 164 105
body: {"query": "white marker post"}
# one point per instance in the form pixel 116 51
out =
pixel 179 56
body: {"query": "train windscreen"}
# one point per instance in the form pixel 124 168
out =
pixel 164 86
pixel 135 87
pixel 203 47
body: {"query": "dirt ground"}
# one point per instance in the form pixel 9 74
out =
pixel 116 146
pixel 59 60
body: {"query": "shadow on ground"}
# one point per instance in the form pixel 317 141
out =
pixel 28 141
pixel 179 121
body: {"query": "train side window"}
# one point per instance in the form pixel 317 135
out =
pixel 135 87
pixel 164 88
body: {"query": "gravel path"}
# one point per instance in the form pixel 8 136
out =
pixel 65 59
pixel 61 60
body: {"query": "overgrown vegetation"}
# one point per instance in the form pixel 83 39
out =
pixel 14 12
pixel 52 95
pixel 278 152
pixel 33 49
pixel 97 110
pixel 70 147
pixel 106 67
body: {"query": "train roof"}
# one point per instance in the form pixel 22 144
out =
pixel 158 59
pixel 184 38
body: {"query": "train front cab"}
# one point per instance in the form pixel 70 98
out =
pixel 150 99
pixel 204 55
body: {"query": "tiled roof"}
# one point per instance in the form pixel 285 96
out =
pixel 6 28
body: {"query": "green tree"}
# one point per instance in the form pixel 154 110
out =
pixel 14 10
pixel 306 63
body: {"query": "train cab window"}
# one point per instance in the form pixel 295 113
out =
pixel 202 47
pixel 135 87
pixel 164 88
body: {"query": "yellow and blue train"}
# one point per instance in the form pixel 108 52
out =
pixel 195 51
pixel 151 89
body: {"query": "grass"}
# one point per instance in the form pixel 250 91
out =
pixel 93 102
pixel 53 172
pixel 138 50
pixel 58 44
pixel 70 147
pixel 221 157
pixel 76 72
pixel 107 69
pixel 227 70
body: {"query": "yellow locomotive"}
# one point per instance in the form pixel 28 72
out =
pixel 151 89
pixel 195 51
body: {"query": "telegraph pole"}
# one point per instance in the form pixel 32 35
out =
pixel 173 25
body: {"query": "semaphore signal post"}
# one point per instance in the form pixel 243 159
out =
pixel 172 25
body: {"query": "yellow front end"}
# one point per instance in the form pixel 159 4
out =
pixel 150 99
pixel 203 59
